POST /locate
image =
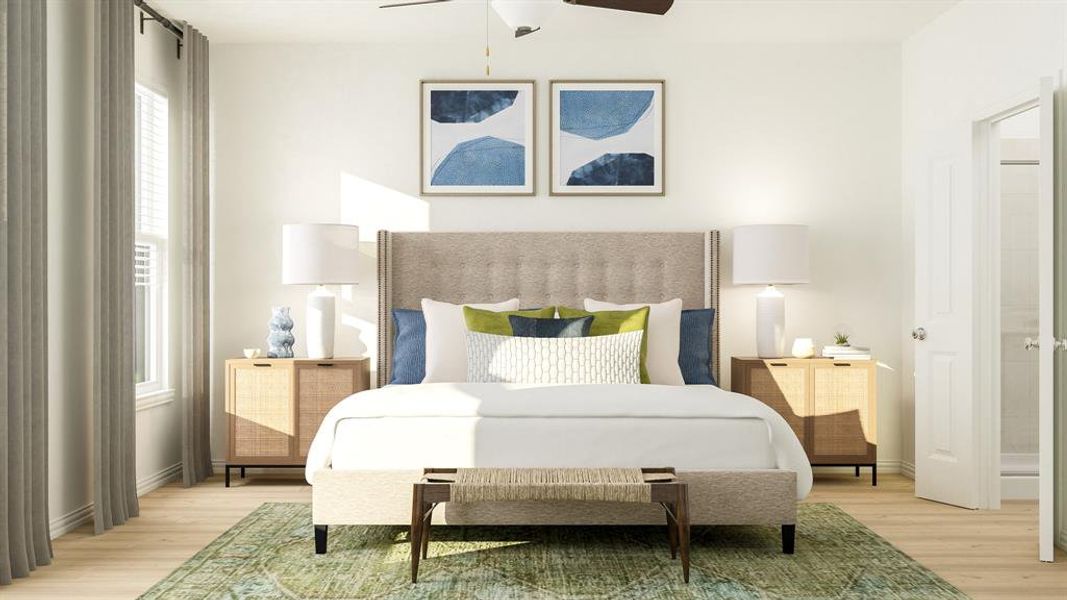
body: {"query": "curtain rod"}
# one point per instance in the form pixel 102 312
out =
pixel 167 24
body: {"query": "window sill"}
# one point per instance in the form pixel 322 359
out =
pixel 154 399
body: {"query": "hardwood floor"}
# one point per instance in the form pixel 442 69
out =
pixel 986 554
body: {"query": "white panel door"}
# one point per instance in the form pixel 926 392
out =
pixel 1047 343
pixel 946 458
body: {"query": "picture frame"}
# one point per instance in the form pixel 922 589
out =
pixel 477 138
pixel 606 137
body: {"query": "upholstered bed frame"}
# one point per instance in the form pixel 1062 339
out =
pixel 543 269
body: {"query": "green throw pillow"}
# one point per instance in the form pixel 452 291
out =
pixel 609 322
pixel 496 323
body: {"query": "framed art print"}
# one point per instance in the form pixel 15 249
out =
pixel 477 138
pixel 607 138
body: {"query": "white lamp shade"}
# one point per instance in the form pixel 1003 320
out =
pixel 770 254
pixel 524 13
pixel 320 254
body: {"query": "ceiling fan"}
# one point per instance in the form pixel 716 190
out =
pixel 526 16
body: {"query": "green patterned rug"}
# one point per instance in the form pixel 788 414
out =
pixel 270 554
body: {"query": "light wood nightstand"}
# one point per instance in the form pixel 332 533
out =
pixel 830 404
pixel 275 406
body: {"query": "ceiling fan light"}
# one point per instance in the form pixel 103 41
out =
pixel 524 15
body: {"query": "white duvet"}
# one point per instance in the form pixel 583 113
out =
pixel 691 427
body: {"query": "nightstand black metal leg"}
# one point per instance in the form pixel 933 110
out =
pixel 874 474
pixel 227 475
pixel 243 472
pixel 857 470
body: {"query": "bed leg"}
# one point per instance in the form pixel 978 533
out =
pixel 320 539
pixel 874 474
pixel 789 538
pixel 227 475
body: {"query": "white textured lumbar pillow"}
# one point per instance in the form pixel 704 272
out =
pixel 664 332
pixel 446 338
pixel 599 359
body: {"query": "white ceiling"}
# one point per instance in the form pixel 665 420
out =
pixel 715 21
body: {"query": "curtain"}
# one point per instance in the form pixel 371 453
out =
pixel 196 438
pixel 114 476
pixel 24 539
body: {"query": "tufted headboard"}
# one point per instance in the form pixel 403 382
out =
pixel 544 269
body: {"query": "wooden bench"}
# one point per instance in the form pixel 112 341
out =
pixel 658 485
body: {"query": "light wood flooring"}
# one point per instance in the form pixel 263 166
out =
pixel 986 554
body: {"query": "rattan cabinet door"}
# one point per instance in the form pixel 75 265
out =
pixel 843 417
pixel 261 413
pixel 782 385
pixel 319 387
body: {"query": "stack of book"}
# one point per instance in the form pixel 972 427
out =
pixel 846 352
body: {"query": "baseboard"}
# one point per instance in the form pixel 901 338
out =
pixel 1018 487
pixel 158 479
pixel 70 521
pixel 79 516
pixel 907 469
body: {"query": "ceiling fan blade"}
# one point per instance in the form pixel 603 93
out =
pixel 652 7
pixel 525 30
pixel 415 3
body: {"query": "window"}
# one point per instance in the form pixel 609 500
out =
pixel 151 186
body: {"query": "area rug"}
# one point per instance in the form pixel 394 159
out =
pixel 270 554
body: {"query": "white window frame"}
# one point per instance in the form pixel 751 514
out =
pixel 156 389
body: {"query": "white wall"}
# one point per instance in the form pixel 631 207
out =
pixel 70 412
pixel 70 268
pixel 159 424
pixel 755 133
pixel 976 55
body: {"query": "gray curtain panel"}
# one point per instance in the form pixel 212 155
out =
pixel 196 438
pixel 114 477
pixel 24 539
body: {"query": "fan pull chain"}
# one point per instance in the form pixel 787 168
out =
pixel 487 38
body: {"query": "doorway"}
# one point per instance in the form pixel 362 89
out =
pixel 1018 140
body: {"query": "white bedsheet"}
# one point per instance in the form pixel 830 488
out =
pixel 494 424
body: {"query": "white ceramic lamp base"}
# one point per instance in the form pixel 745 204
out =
pixel 770 323
pixel 320 318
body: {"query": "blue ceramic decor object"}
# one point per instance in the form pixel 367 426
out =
pixel 280 340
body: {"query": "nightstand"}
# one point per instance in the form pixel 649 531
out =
pixel 830 404
pixel 274 406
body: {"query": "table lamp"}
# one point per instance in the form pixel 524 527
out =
pixel 320 255
pixel 770 255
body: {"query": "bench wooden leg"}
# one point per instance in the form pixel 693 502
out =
pixel 428 510
pixel 682 516
pixel 416 530
pixel 672 529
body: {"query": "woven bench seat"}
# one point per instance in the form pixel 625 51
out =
pixel 550 485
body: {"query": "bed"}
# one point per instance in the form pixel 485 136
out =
pixel 742 462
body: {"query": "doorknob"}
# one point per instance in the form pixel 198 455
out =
pixel 918 334
pixel 1031 343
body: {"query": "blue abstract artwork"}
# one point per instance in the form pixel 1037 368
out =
pixel 608 138
pixel 477 138
pixel 603 114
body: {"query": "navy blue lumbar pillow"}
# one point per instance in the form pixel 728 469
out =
pixel 550 328
pixel 694 353
pixel 409 346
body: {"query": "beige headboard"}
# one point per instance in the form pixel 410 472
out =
pixel 544 269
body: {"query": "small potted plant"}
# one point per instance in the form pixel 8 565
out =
pixel 841 338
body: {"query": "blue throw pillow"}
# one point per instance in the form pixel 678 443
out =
pixel 409 346
pixel 694 353
pixel 550 328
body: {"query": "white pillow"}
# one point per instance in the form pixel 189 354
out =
pixel 600 359
pixel 664 332
pixel 446 338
